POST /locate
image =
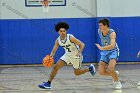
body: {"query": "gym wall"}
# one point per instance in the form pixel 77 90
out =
pixel 27 34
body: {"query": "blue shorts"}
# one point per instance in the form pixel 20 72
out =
pixel 110 55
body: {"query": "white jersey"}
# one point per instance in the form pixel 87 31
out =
pixel 71 49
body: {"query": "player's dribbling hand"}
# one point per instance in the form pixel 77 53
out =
pixel 48 61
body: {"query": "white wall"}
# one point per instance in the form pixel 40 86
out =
pixel 103 8
pixel 118 8
pixel 15 9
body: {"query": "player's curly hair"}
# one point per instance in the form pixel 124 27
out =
pixel 61 25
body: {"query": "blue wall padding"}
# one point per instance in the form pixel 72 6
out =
pixel 27 41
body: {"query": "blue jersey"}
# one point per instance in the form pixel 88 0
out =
pixel 105 41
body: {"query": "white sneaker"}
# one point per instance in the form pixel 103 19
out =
pixel 117 85
pixel 138 84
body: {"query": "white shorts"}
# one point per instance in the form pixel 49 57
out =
pixel 76 62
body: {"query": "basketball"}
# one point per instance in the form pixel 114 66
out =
pixel 48 61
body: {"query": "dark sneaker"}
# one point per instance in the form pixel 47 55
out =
pixel 45 85
pixel 92 69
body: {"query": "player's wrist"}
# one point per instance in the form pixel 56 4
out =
pixel 51 56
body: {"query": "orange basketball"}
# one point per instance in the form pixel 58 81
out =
pixel 48 61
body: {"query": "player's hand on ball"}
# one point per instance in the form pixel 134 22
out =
pixel 48 61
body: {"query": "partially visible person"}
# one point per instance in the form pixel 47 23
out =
pixel 138 54
pixel 109 52
pixel 138 57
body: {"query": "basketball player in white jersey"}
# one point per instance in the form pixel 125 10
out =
pixel 73 54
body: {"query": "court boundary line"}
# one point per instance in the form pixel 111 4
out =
pixel 83 64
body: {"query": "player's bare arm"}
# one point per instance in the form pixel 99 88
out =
pixel 112 44
pixel 77 42
pixel 55 47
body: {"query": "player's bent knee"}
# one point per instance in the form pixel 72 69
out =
pixel 77 72
pixel 101 72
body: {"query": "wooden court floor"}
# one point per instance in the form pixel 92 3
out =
pixel 25 79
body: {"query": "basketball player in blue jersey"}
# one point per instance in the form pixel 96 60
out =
pixel 73 54
pixel 109 52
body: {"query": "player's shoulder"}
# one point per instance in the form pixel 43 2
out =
pixel 112 30
pixel 72 38
pixel 70 35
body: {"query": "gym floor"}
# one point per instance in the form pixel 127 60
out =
pixel 25 79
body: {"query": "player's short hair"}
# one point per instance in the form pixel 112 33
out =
pixel 61 25
pixel 104 21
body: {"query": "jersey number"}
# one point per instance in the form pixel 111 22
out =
pixel 67 47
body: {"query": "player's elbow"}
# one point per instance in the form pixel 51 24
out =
pixel 83 45
pixel 112 46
